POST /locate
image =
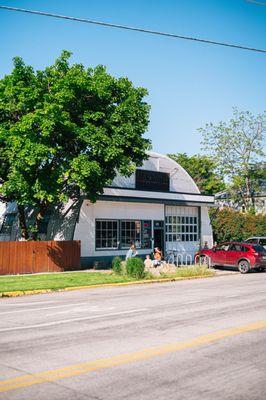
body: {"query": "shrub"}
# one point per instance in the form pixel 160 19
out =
pixel 135 267
pixel 117 265
pixel 229 225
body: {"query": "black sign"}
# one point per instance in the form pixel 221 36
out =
pixel 158 224
pixel 152 180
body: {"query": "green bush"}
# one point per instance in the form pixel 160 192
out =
pixel 117 265
pixel 135 267
pixel 230 225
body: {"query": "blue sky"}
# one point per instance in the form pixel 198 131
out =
pixel 189 83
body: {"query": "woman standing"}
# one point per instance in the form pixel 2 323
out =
pixel 132 252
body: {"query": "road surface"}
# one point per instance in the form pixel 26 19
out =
pixel 196 339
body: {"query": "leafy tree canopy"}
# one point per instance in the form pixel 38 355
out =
pixel 203 170
pixel 230 225
pixel 65 130
pixel 237 146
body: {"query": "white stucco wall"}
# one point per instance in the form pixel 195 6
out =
pixel 8 208
pixel 206 229
pixel 85 227
pixel 184 197
pixel 180 181
pixel 2 212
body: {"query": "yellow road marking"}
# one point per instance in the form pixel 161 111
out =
pixel 145 354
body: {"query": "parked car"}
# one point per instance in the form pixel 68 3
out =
pixel 244 256
pixel 257 239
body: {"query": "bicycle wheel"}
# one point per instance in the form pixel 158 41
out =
pixel 171 259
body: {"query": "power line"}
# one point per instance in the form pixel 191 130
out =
pixel 131 28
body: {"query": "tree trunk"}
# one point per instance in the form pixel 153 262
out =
pixel 248 193
pixel 39 218
pixel 22 222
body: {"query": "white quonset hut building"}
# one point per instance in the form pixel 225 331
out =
pixel 158 206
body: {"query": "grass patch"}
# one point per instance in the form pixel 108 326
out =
pixel 195 270
pixel 56 281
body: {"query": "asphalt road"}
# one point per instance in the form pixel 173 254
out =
pixel 199 339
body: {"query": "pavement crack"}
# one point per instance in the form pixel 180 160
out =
pixel 23 371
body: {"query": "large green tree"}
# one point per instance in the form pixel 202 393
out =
pixel 237 146
pixel 203 170
pixel 66 131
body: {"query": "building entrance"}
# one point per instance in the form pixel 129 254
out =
pixel 158 234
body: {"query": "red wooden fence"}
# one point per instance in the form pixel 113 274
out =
pixel 31 257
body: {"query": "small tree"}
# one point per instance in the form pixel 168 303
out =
pixel 236 146
pixel 66 131
pixel 203 169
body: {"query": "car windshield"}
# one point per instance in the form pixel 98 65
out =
pixel 223 246
pixel 259 249
pixel 252 240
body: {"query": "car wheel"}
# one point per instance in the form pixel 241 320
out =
pixel 243 266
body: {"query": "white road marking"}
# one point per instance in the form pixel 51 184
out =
pixel 66 321
pixel 82 309
pixel 193 302
pixel 44 308
pixel 26 304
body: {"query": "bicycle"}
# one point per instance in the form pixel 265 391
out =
pixel 170 257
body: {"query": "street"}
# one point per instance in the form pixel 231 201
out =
pixel 194 339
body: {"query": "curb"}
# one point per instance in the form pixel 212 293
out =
pixel 18 293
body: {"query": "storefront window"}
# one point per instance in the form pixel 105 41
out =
pixel 44 223
pixel 130 233
pixel 7 225
pixel 146 235
pixel 181 229
pixel 106 234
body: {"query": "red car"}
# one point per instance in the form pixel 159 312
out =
pixel 244 256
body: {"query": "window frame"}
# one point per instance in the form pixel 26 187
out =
pixel 126 247
pixel 43 229
pixel 147 230
pixel 181 228
pixel 4 226
pixel 152 181
pixel 222 247
pixel 117 231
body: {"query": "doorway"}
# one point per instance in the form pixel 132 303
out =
pixel 158 234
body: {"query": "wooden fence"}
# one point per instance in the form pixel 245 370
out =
pixel 32 257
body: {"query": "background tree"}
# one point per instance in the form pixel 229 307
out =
pixel 64 131
pixel 236 146
pixel 228 224
pixel 203 170
pixel 257 181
